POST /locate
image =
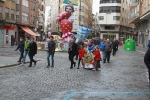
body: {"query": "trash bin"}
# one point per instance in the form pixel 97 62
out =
pixel 129 45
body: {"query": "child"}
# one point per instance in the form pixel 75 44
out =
pixel 81 52
pixel 97 58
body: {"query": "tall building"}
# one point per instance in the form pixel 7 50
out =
pixel 18 18
pixel 7 21
pixel 140 17
pixel 113 19
pixel 55 10
pixel 95 26
pixel 81 16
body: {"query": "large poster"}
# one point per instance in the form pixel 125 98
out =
pixel 74 2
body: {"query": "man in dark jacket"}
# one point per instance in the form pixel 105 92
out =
pixel 107 50
pixel 114 44
pixel 147 61
pixel 72 51
pixel 51 51
pixel 32 51
pixel 78 46
pixel 21 49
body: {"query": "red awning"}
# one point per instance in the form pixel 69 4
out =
pixel 26 29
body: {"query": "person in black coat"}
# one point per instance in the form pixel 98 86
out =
pixel 147 61
pixel 21 49
pixel 72 51
pixel 114 43
pixel 32 51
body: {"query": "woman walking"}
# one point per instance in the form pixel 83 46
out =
pixel 72 51
pixel 32 52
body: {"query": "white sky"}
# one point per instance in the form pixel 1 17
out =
pixel 95 6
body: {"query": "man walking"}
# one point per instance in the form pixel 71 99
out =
pixel 32 52
pixel 78 46
pixel 114 44
pixel 107 50
pixel 26 49
pixel 51 51
pixel 21 49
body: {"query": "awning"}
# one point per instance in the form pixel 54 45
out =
pixel 29 31
pixel 146 16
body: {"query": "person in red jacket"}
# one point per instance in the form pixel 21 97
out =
pixel 81 53
pixel 97 58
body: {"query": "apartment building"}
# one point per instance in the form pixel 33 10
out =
pixel 41 20
pixel 95 26
pixel 55 10
pixel 113 19
pixel 81 16
pixel 140 17
pixel 7 21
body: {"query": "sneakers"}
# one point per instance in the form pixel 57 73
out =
pixel 99 69
pixel 94 69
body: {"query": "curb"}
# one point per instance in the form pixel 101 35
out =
pixel 6 66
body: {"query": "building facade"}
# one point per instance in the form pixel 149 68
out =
pixel 113 19
pixel 18 18
pixel 95 26
pixel 140 17
pixel 7 21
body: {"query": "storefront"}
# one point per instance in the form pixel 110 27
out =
pixel 110 36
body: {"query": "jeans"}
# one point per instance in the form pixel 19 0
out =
pixel 24 57
pixel 107 56
pixel 52 58
pixel 21 55
pixel 31 60
pixel 104 55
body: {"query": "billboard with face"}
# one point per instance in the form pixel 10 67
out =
pixel 74 2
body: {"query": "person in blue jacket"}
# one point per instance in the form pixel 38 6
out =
pixel 148 45
pixel 102 45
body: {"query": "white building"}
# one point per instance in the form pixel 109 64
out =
pixel 113 19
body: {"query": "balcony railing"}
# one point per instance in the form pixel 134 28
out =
pixel 110 1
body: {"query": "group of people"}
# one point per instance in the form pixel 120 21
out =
pixel 96 46
pixel 76 50
pixel 27 47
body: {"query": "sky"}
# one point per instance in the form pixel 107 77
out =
pixel 95 6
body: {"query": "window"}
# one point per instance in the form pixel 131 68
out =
pixel 24 16
pixel 109 27
pixel 17 1
pixel 12 14
pixel 17 15
pixel 116 17
pixel 82 8
pixel 7 12
pixel 110 9
pixel 101 17
pixel 81 18
pixel 25 3
pixel 0 11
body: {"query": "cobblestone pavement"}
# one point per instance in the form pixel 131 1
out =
pixel 125 78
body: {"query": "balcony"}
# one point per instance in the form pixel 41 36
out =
pixel 146 16
pixel 134 2
pixel 135 18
